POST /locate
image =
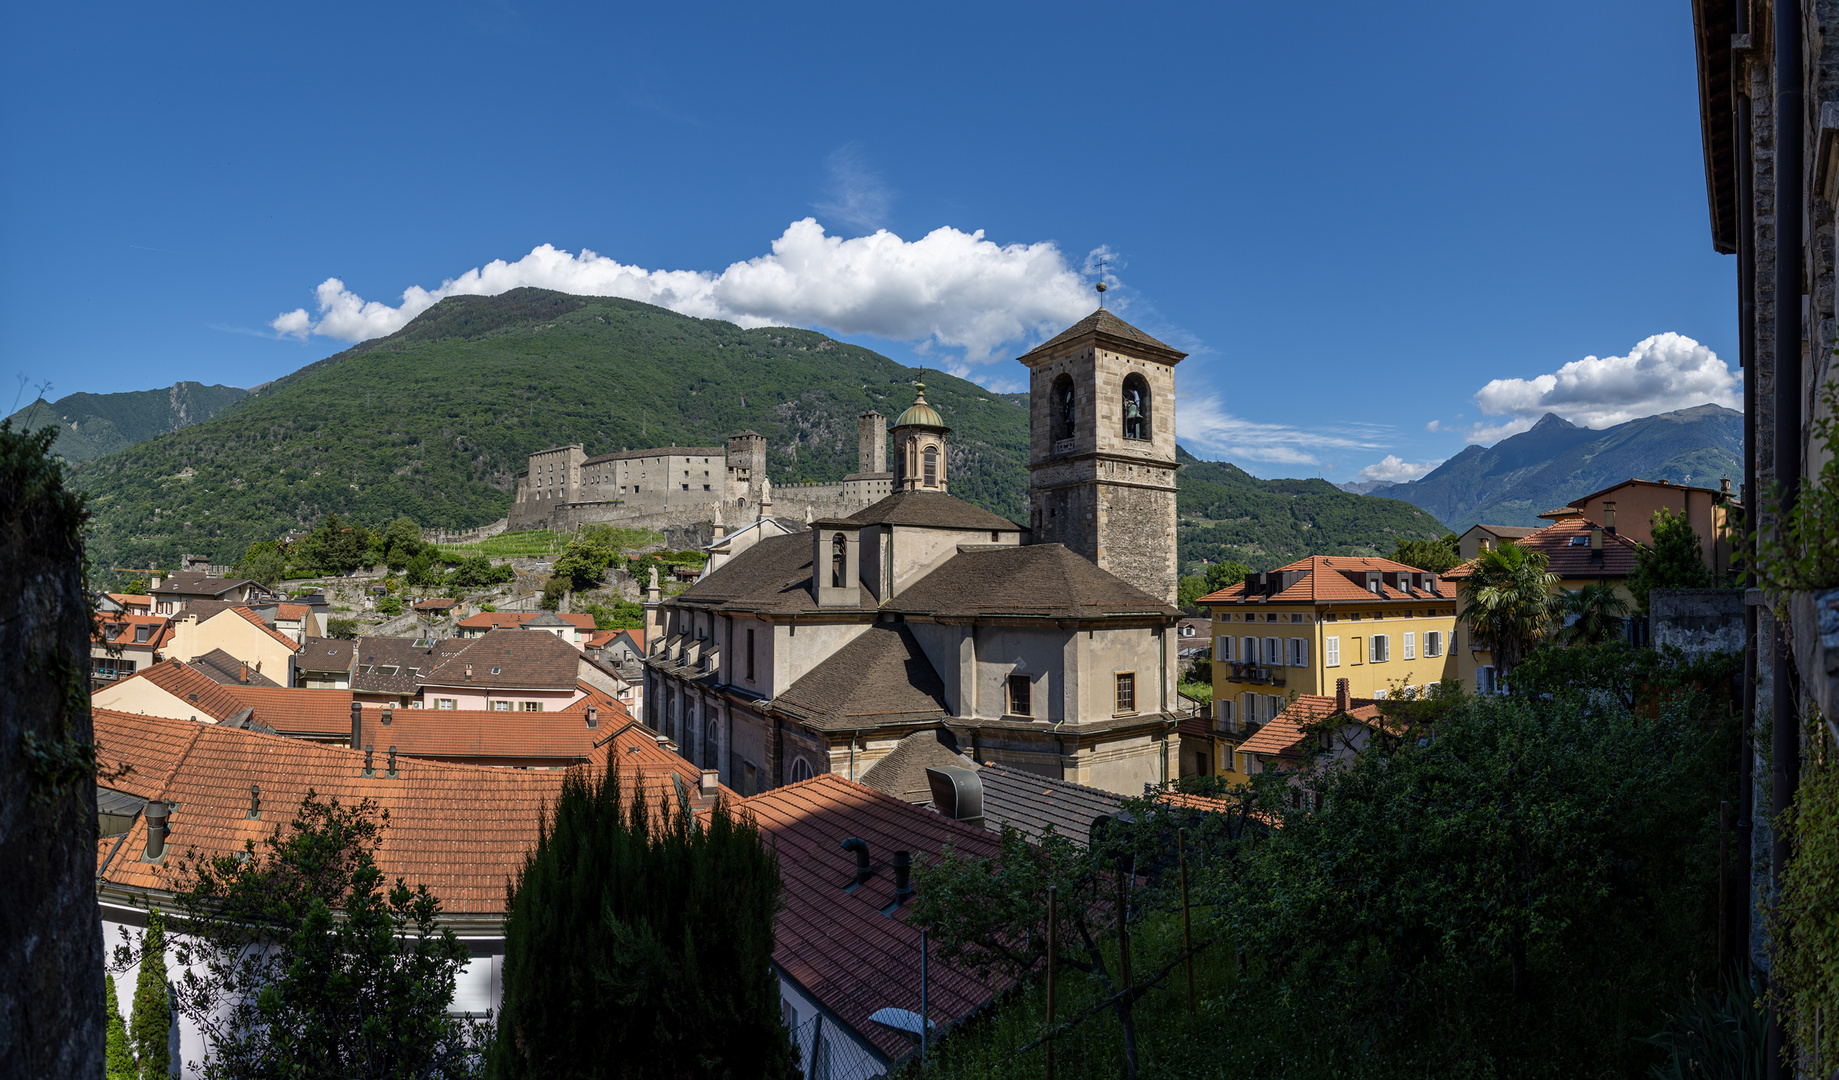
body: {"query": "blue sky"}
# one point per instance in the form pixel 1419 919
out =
pixel 1375 227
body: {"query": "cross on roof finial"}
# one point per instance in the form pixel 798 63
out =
pixel 1101 283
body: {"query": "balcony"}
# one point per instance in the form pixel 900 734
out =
pixel 1257 676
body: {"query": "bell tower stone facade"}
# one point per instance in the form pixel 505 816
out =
pixel 1101 458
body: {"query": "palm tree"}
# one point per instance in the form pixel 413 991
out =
pixel 1508 603
pixel 1599 610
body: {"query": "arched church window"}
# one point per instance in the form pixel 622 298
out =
pixel 839 550
pixel 801 770
pixel 932 466
pixel 1063 405
pixel 1136 407
pixel 711 745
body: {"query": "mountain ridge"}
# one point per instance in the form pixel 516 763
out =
pixel 93 425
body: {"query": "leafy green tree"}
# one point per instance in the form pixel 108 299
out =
pixel 421 570
pixel 342 628
pixel 1599 612
pixel 302 961
pixel 638 942
pixel 263 563
pixel 389 605
pixel 332 548
pixel 1508 603
pixel 623 615
pixel 1431 556
pixel 477 571
pixel 136 586
pixel 1673 562
pixel 1221 574
pixel 150 1026
pixel 400 542
pixel 118 1059
pixel 1515 893
pixel 1187 591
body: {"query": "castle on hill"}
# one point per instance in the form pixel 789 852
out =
pixel 564 488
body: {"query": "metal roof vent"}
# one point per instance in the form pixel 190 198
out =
pixel 158 815
pixel 957 792
pixel 864 869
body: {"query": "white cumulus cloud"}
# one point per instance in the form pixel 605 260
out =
pixel 1395 470
pixel 949 289
pixel 1661 373
pixel 1204 423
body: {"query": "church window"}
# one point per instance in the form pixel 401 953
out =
pixel 1020 692
pixel 1126 692
pixel 839 548
pixel 932 466
pixel 1063 401
pixel 1136 407
pixel 801 770
pixel 750 654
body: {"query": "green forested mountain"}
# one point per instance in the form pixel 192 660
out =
pixel 1227 513
pixel 91 425
pixel 436 420
pixel 1511 482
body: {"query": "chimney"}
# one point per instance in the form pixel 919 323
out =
pixel 1609 518
pixel 357 725
pixel 245 675
pixel 1596 544
pixel 386 716
pixel 711 782
pixel 370 769
pixel 158 813
pixel 1724 487
pixel 392 769
pixel 593 716
pixel 255 801
pixel 469 673
pixel 864 870
pixel 903 876
pixel 154 582
pixel 1342 701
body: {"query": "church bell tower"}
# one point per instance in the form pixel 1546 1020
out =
pixel 1101 458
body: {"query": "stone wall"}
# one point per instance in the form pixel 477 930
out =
pixel 1697 621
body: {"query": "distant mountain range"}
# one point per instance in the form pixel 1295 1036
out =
pixel 1511 482
pixel 436 420
pixel 91 425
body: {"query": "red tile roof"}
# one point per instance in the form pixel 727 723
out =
pixel 1285 731
pixel 1568 560
pixel 292 611
pixel 301 713
pixel 106 623
pixel 488 619
pixel 194 687
pixel 460 829
pixel 267 629
pixel 837 945
pixel 560 737
pixel 131 599
pixel 1324 581
pixel 433 604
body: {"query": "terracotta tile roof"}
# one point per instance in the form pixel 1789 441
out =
pixel 120 629
pixel 256 620
pixel 1285 731
pixel 558 738
pixel 325 654
pixel 774 575
pixel 509 660
pixel 881 677
pixel 131 599
pixel 433 604
pixel 902 773
pixel 931 508
pixel 373 654
pixel 1044 580
pixel 1324 579
pixel 837 945
pixel 488 619
pixel 226 670
pixel 292 611
pixel 1571 560
pixel 1505 532
pixel 600 639
pixel 462 830
pixel 194 687
pixel 1102 321
pixel 321 714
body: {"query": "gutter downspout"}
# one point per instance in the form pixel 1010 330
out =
pixel 1746 359
pixel 1790 165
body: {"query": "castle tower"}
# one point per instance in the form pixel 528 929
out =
pixel 919 446
pixel 746 466
pixel 1101 457
pixel 872 446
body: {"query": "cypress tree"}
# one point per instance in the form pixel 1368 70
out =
pixel 152 1020
pixel 118 1062
pixel 638 943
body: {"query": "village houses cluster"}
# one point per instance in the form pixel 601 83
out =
pixel 885 662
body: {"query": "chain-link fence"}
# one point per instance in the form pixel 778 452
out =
pixel 827 1052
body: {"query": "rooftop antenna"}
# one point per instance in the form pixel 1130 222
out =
pixel 1101 283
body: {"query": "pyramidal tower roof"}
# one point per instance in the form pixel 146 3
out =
pixel 1104 322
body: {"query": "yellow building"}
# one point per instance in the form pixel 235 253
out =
pixel 1379 624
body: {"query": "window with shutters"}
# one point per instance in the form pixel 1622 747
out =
pixel 1299 652
pixel 1331 652
pixel 1249 652
pixel 1273 705
pixel 1433 643
pixel 1019 696
pixel 1126 692
pixel 1379 648
pixel 1273 651
pixel 1411 647
pixel 1222 649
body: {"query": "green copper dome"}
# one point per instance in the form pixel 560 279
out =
pixel 920 414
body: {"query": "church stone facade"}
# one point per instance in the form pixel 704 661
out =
pixel 564 488
pixel 921 630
